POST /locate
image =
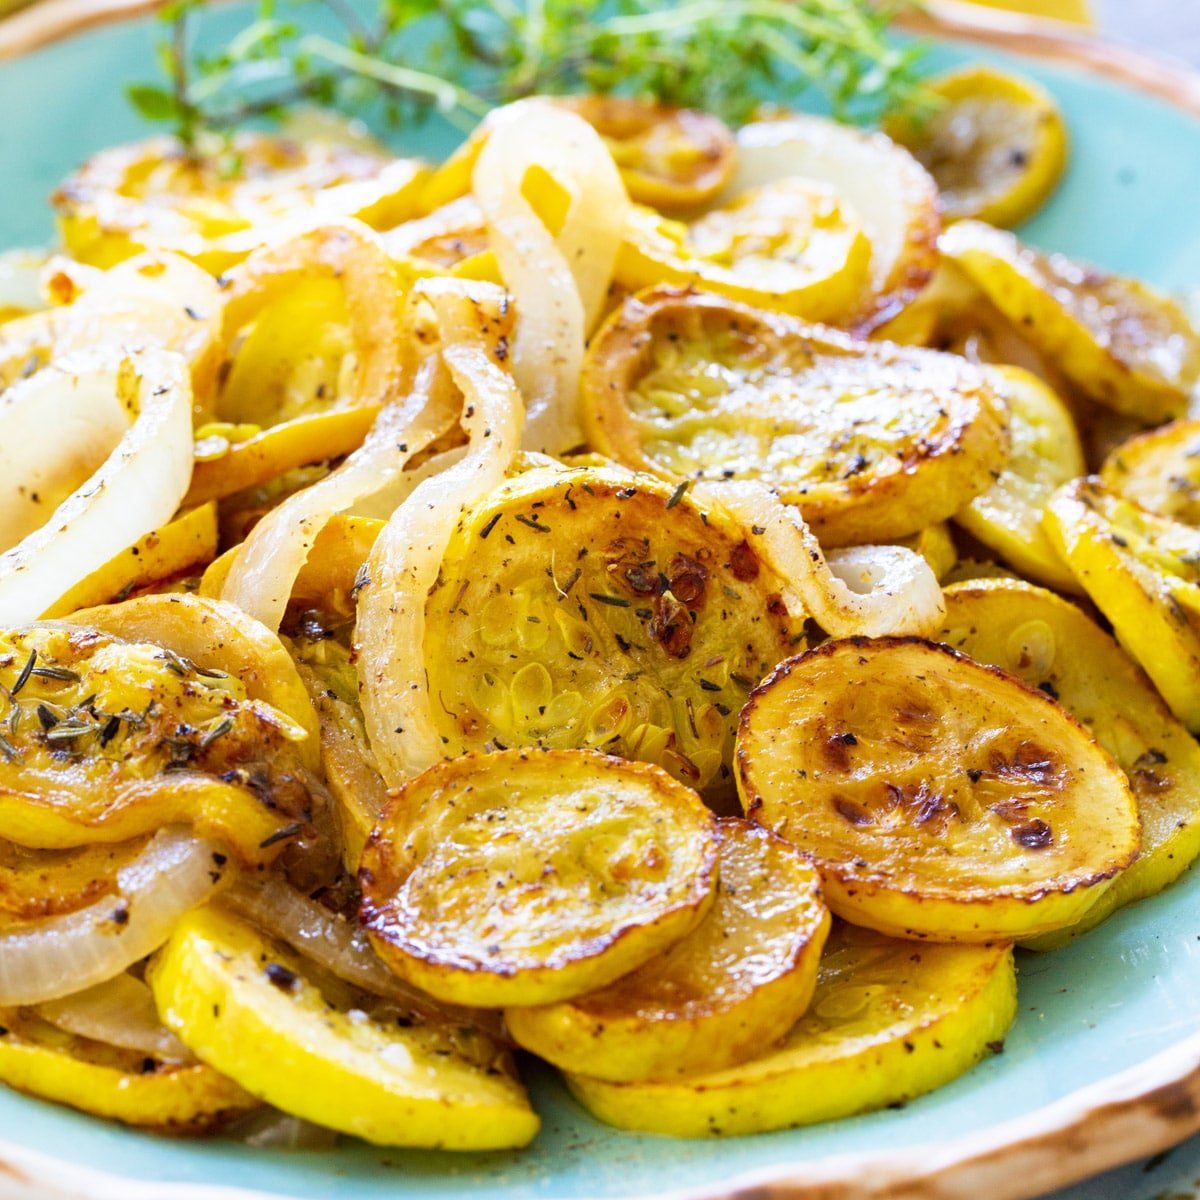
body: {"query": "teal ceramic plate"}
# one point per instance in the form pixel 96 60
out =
pixel 1103 1064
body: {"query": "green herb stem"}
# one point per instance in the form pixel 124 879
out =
pixel 721 55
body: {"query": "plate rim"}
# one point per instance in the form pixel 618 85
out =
pixel 1136 1112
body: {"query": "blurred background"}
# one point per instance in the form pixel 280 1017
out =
pixel 1168 26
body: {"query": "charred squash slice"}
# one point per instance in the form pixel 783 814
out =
pixel 871 442
pixel 889 1021
pixel 1052 645
pixel 526 877
pixel 739 981
pixel 939 798
pixel 1125 345
pixel 595 608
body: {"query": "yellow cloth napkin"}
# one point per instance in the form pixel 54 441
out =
pixel 1075 11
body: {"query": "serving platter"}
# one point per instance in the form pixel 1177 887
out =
pixel 1103 1065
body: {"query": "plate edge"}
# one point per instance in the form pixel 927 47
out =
pixel 1139 1111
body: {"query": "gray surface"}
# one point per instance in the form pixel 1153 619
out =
pixel 1168 26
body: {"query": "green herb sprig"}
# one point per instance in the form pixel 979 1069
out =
pixel 407 58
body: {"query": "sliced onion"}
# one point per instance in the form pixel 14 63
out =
pixel 341 948
pixel 136 489
pixel 867 591
pixel 405 560
pixel 85 418
pixel 269 1129
pixel 558 282
pixel 119 1012
pixel 893 196
pixel 21 279
pixel 384 502
pixel 261 578
pixel 43 960
pixel 159 301
pixel 332 942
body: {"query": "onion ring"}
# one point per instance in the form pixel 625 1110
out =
pixel 44 960
pixel 559 282
pixel 135 490
pixel 405 559
pixel 867 591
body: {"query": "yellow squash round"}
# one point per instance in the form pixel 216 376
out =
pixel 889 1021
pixel 1052 645
pixel 739 981
pixel 939 798
pixel 244 1005
pixel 526 877
pixel 871 442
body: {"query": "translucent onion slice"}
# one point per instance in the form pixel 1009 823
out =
pixel 330 941
pixel 261 578
pixel 339 946
pixel 154 301
pixel 119 1012
pixel 134 491
pixel 559 281
pixel 87 417
pixel 21 281
pixel 867 591
pixel 269 1129
pixel 404 562
pixel 44 960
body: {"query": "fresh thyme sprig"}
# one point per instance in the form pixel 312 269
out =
pixel 460 57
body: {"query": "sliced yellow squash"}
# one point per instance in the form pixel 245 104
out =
pixel 1143 572
pixel 314 325
pixel 1160 471
pixel 871 442
pixel 595 608
pixel 996 144
pixel 939 798
pixel 219 204
pixel 739 981
pixel 1007 518
pixel 525 877
pixel 889 1021
pixel 673 159
pixel 186 543
pixel 219 639
pixel 1052 645
pixel 44 883
pixel 790 245
pixel 351 772
pixel 243 1005
pixel 1125 345
pixel 885 188
pixel 106 740
pixel 123 1085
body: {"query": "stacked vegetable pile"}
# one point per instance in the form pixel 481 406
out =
pixel 514 603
